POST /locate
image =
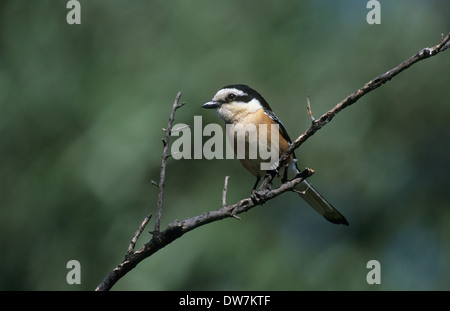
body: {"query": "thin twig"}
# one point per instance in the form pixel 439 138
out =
pixel 178 228
pixel 154 183
pixel 224 199
pixel 165 156
pixel 224 193
pixel 308 109
pixel 137 234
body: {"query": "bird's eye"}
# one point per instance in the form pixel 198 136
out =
pixel 231 97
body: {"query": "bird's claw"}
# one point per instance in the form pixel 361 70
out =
pixel 257 198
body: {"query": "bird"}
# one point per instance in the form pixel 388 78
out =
pixel 240 105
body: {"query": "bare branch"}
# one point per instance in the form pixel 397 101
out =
pixel 165 156
pixel 224 198
pixel 224 193
pixel 308 109
pixel 352 98
pixel 137 234
pixel 178 228
pixel 154 183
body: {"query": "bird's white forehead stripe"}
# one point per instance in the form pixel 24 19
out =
pixel 224 92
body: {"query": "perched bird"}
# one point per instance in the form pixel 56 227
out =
pixel 240 105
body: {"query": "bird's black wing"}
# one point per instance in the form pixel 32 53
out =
pixel 283 131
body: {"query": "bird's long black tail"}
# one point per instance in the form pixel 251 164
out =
pixel 310 195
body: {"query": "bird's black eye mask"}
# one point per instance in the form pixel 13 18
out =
pixel 236 98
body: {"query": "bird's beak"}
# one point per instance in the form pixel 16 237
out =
pixel 211 105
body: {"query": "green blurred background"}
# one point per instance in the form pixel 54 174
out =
pixel 81 112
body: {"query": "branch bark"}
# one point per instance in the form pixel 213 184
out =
pixel 178 228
